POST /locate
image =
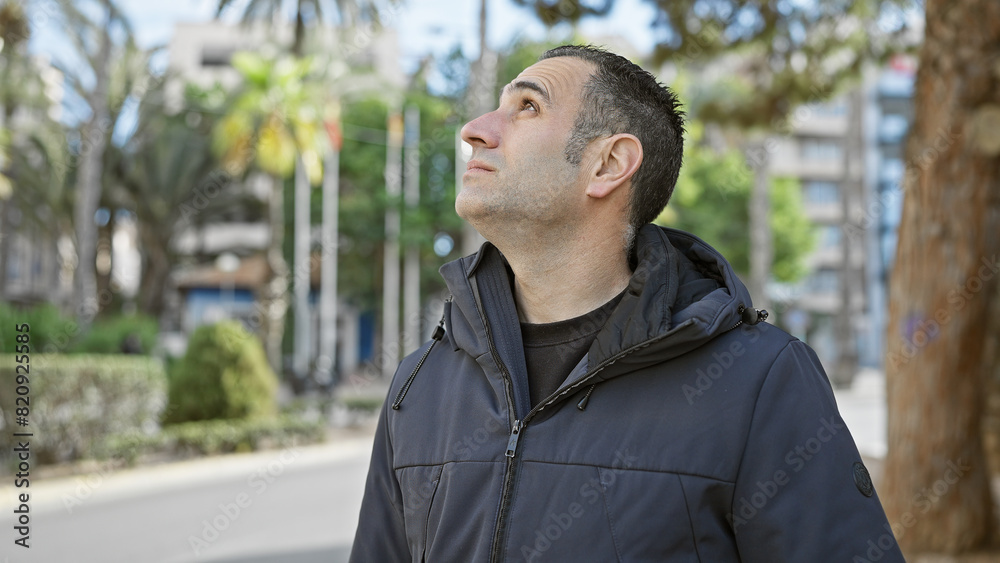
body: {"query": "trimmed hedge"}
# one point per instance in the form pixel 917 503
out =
pixel 223 375
pixel 51 332
pixel 78 401
pixel 210 437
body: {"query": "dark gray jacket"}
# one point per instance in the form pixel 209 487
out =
pixel 685 434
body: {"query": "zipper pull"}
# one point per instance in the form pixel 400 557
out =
pixel 512 442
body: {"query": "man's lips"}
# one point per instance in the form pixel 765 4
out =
pixel 479 165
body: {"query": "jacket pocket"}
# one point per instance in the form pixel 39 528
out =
pixel 418 485
pixel 648 516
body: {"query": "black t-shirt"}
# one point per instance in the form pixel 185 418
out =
pixel 552 350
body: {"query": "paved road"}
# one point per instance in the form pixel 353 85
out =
pixel 295 506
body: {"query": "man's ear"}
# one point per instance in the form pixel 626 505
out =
pixel 620 156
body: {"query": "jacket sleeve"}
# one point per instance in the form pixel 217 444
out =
pixel 381 536
pixel 802 492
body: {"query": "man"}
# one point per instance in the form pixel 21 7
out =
pixel 603 389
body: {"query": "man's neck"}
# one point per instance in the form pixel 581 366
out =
pixel 568 279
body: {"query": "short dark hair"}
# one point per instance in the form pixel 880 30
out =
pixel 621 97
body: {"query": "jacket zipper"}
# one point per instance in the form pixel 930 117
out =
pixel 505 491
pixel 500 535
pixel 513 462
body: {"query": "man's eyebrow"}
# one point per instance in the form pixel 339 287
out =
pixel 528 85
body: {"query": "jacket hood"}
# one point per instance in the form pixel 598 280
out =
pixel 681 295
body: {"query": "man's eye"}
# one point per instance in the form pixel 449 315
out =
pixel 528 104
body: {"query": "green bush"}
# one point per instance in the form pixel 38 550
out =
pixel 210 437
pixel 107 335
pixel 223 375
pixel 78 401
pixel 50 331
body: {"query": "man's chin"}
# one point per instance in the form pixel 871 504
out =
pixel 469 206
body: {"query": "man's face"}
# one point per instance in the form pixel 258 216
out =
pixel 518 175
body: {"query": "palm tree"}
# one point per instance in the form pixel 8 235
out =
pixel 274 120
pixel 171 180
pixel 348 12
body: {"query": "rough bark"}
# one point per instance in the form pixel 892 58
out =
pixel 851 290
pixel 759 213
pixel 94 138
pixel 274 296
pixel 936 490
pixel 155 271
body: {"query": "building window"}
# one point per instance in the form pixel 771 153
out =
pixel 829 236
pixel 822 193
pixel 817 149
pixel 14 264
pixel 824 280
pixel 892 128
pixel 891 172
pixel 217 56
pixel 835 108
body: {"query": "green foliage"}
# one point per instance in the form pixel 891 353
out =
pixel 78 401
pixel 552 12
pixel 107 335
pixel 363 199
pixel 791 53
pixel 223 375
pixel 212 437
pixel 276 117
pixel 520 55
pixel 50 330
pixel 53 332
pixel 363 404
pixel 711 200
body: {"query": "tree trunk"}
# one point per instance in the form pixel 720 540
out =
pixel 481 99
pixel 390 271
pixel 936 489
pixel 155 271
pixel 850 288
pixel 274 296
pixel 302 267
pixel 761 245
pixel 105 236
pixel 298 39
pixel 411 260
pixel 328 267
pixel 94 137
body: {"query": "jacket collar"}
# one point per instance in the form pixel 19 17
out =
pixel 647 327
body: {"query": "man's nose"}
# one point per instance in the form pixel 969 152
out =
pixel 482 131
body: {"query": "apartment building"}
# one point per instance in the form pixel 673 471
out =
pixel 224 265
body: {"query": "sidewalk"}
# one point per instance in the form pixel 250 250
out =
pixel 863 408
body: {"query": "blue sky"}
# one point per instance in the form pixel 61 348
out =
pixel 424 26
